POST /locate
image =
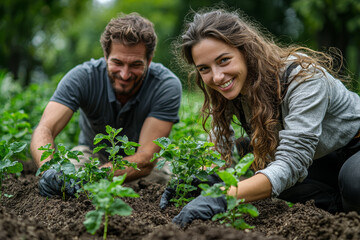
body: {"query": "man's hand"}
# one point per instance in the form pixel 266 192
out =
pixel 200 208
pixel 169 192
pixel 51 182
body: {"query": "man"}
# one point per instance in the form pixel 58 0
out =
pixel 124 90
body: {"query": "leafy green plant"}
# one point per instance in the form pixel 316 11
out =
pixel 90 173
pixel 60 161
pixel 117 143
pixel 188 160
pixel 235 207
pixel 105 195
pixel 7 164
pixel 15 126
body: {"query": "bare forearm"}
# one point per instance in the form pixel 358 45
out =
pixel 254 188
pixel 40 137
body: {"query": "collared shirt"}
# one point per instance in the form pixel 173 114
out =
pixel 87 86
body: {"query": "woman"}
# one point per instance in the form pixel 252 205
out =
pixel 302 122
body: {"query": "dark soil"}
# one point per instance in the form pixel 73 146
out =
pixel 27 215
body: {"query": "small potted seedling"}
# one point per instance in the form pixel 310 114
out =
pixel 117 143
pixel 106 198
pixel 236 208
pixel 60 161
pixel 189 160
pixel 7 164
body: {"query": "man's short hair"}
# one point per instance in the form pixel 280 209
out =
pixel 129 30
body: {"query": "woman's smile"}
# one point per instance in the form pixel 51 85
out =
pixel 221 66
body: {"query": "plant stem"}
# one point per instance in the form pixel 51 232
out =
pixel 105 226
pixel 63 188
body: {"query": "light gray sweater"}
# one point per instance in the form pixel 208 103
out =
pixel 319 116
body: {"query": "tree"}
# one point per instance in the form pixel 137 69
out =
pixel 333 23
pixel 25 25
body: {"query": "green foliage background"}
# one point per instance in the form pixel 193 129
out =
pixel 39 39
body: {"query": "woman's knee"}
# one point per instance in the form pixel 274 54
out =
pixel 349 183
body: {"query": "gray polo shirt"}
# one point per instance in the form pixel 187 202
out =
pixel 88 87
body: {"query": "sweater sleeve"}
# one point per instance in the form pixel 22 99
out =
pixel 306 103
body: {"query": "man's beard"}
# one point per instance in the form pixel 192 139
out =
pixel 123 91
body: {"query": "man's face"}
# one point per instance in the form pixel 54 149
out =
pixel 127 66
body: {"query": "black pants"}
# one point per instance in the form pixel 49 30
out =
pixel 333 181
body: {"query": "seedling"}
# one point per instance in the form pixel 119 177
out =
pixel 235 207
pixel 191 159
pixel 60 161
pixel 7 165
pixel 91 173
pixel 104 194
pixel 117 159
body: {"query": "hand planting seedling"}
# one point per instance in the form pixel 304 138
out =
pixel 7 165
pixel 235 207
pixel 117 159
pixel 104 197
pixel 60 162
pixel 191 163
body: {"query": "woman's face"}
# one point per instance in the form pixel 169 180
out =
pixel 221 66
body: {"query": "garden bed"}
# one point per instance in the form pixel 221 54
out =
pixel 27 215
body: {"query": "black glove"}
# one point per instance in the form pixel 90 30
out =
pixel 51 182
pixel 200 208
pixel 169 192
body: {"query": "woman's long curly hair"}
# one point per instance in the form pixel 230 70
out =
pixel 264 60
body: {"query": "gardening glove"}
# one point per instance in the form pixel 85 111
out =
pixel 51 182
pixel 200 208
pixel 170 191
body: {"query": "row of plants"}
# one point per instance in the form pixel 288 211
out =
pixel 99 184
pixel 189 159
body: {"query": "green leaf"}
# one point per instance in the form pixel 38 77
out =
pixel 213 191
pixel 228 178
pixel 162 142
pixel 17 146
pixel 160 164
pixel 241 224
pixel 100 147
pixel 129 151
pixel 68 168
pixel 244 164
pixel 231 202
pixel 218 161
pixel 113 151
pixel 5 164
pixel 119 207
pixel 109 129
pixel 46 147
pixel 99 137
pixel 16 167
pixel 249 208
pixel 93 221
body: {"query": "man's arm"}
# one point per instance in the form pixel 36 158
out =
pixel 53 121
pixel 152 129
